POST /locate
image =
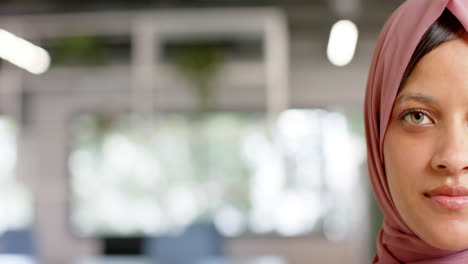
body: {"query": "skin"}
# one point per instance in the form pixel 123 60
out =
pixel 426 144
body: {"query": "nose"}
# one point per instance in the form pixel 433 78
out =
pixel 451 155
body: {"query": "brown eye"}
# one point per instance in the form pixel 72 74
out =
pixel 417 118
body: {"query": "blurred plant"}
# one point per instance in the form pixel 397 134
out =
pixel 169 180
pixel 200 63
pixel 77 50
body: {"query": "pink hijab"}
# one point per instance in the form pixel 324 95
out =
pixel 395 46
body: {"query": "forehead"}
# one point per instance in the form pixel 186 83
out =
pixel 441 71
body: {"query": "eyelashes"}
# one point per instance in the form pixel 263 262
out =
pixel 416 117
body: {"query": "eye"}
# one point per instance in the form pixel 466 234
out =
pixel 417 117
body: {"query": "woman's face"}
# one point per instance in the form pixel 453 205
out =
pixel 426 148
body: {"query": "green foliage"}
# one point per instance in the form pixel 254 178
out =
pixel 197 159
pixel 76 50
pixel 200 63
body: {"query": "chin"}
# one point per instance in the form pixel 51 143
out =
pixel 449 245
pixel 453 237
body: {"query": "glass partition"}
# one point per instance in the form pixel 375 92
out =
pixel 224 167
pixel 16 210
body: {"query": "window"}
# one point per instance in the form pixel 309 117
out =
pixel 224 167
pixel 15 200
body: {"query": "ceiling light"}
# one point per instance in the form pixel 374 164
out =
pixel 23 54
pixel 342 42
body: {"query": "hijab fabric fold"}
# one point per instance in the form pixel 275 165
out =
pixel 396 243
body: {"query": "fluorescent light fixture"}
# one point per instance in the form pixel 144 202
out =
pixel 23 54
pixel 342 42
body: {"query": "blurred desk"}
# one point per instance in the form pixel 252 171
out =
pixel 249 260
pixel 16 259
pixel 146 260
pixel 115 260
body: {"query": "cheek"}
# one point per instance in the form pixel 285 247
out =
pixel 407 159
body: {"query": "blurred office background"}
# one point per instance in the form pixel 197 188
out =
pixel 186 131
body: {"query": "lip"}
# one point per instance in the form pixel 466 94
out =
pixel 449 197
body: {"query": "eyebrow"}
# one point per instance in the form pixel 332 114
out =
pixel 419 97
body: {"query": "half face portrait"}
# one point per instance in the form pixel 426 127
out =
pixel 426 147
pixel 416 114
